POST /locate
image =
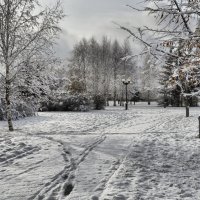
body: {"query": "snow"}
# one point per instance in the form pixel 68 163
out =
pixel 147 152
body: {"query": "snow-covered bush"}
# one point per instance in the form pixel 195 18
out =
pixel 77 102
pixel 170 99
pixel 164 100
pixel 99 102
pixel 2 112
pixel 19 110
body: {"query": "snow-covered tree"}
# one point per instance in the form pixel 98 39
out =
pixel 172 95
pixel 105 64
pixel 117 55
pixel 24 33
pixel 149 78
pixel 127 69
pixel 79 62
pixel 176 20
pixel 106 69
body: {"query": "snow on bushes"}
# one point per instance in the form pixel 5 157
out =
pixel 19 110
pixel 74 102
pixel 99 102
pixel 77 102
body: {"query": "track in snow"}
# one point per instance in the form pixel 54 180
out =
pixel 63 183
pixel 103 167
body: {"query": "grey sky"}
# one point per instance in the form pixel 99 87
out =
pixel 87 18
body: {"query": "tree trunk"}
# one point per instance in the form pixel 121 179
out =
pixel 122 97
pixel 181 101
pixel 84 77
pixel 187 111
pixel 8 104
pixel 149 102
pixel 7 79
pixel 107 102
pixel 115 87
pixel 115 95
pixel 187 107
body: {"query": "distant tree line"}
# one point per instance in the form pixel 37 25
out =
pixel 97 68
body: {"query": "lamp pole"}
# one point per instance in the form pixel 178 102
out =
pixel 165 99
pixel 126 82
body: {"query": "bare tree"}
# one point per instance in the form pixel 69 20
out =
pixel 127 68
pixel 117 56
pixel 24 33
pixel 106 69
pixel 80 61
pixel 94 60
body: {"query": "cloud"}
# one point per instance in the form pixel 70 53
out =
pixel 87 18
pixel 65 43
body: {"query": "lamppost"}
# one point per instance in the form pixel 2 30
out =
pixel 165 97
pixel 126 82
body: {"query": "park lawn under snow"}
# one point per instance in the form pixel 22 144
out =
pixel 146 153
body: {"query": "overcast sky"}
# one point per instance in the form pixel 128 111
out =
pixel 87 18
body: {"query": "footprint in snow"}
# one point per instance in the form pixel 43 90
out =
pixel 119 197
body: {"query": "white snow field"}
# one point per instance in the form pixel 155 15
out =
pixel 145 153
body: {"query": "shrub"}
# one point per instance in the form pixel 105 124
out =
pixel 19 110
pixel 77 102
pixel 99 102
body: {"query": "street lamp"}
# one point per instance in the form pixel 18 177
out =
pixel 165 97
pixel 126 82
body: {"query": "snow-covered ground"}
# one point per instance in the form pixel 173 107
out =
pixel 145 153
